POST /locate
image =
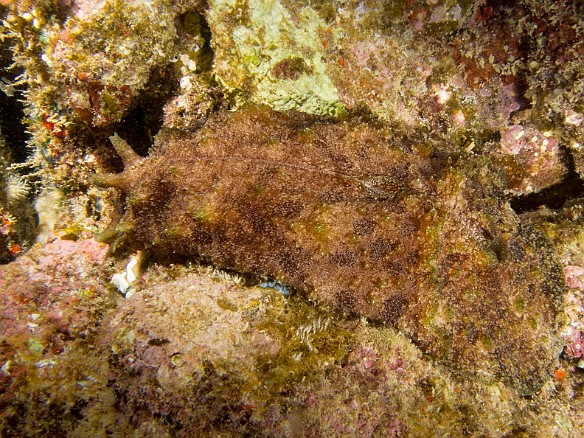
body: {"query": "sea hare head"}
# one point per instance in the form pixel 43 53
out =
pixel 357 220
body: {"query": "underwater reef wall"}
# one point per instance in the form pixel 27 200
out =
pixel 405 175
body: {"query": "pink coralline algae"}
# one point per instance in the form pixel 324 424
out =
pixel 50 305
pixel 574 277
pixel 574 338
pixel 533 159
pixel 573 334
pixel 49 288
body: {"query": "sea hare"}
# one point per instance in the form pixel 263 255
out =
pixel 361 220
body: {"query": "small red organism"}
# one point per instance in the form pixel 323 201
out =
pixel 60 133
pixel 559 374
pixel 15 249
pixel 47 123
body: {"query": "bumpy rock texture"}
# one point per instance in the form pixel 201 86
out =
pixel 477 101
pixel 208 357
pixel 360 220
pixel 52 302
pixel 195 353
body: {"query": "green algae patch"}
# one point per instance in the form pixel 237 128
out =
pixel 262 49
pixel 35 346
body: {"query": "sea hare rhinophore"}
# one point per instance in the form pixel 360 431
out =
pixel 361 221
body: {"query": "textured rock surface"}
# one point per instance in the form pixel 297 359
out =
pixel 193 352
pixel 213 358
pixel 448 84
pixel 533 159
pixel 52 302
pixel 565 228
pixel 273 54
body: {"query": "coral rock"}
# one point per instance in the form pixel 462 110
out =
pixel 533 159
pixel 51 305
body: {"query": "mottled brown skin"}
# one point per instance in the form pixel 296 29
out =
pixel 342 212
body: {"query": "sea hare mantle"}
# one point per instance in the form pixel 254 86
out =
pixel 358 220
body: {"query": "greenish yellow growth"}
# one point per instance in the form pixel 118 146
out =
pixel 261 49
pixel 35 346
pixel 205 213
pixel 309 345
pixel 130 29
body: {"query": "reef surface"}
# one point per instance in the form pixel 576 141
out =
pixel 336 218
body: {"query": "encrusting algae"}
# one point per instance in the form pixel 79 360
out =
pixel 359 220
pixel 433 307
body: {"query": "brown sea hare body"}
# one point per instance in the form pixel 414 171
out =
pixel 356 220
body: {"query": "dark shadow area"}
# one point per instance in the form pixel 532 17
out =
pixel 144 121
pixel 193 24
pixel 553 197
pixel 12 108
